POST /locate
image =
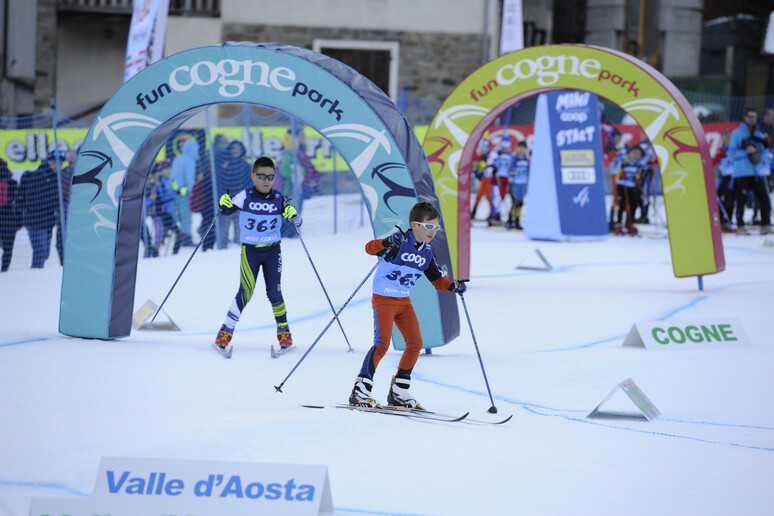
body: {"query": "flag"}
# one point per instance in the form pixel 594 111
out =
pixel 511 27
pixel 146 35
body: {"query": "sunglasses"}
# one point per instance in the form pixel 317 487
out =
pixel 264 177
pixel 428 226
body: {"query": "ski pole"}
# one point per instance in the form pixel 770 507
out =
pixel 725 213
pixel 323 289
pixel 335 315
pixel 186 265
pixel 492 409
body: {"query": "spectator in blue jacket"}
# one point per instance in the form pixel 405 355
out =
pixel 183 179
pixel 747 147
pixel 232 175
pixel 161 206
pixel 39 203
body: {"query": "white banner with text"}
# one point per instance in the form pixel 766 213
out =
pixel 150 487
pixel 695 333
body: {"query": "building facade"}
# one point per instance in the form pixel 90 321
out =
pixel 74 50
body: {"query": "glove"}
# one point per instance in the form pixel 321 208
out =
pixel 175 186
pixel 458 287
pixel 184 190
pixel 289 213
pixel 393 241
pixel 296 221
pixel 225 201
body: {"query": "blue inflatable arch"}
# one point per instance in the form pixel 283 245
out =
pixel 103 230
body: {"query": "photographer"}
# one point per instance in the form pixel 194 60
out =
pixel 747 148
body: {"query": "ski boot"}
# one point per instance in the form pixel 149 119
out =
pixel 399 395
pixel 631 230
pixel 516 224
pixel 178 243
pixel 619 229
pixel 222 342
pixel 361 393
pixel 766 229
pixel 284 338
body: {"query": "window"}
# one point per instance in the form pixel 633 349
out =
pixel 376 60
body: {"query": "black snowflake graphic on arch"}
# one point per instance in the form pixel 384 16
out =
pixel 395 190
pixel 90 177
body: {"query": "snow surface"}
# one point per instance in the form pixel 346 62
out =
pixel 550 344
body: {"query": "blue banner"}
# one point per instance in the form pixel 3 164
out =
pixel 566 191
pixel 580 187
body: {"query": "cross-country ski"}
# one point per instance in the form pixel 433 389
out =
pixel 395 411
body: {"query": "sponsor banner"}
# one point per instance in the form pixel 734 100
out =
pixel 566 182
pixel 574 120
pixel 630 134
pixel 147 32
pixel 132 486
pixel 696 333
pixel 24 148
pixel 657 106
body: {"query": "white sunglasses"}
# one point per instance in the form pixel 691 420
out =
pixel 428 226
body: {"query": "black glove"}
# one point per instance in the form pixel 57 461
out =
pixel 458 287
pixel 393 242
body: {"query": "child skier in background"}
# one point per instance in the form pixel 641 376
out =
pixel 485 189
pixel 518 184
pixel 261 212
pixel 626 187
pixel 503 165
pixel 404 257
pixel 161 206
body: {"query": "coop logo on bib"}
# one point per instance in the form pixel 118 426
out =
pixel 262 206
pixel 415 258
